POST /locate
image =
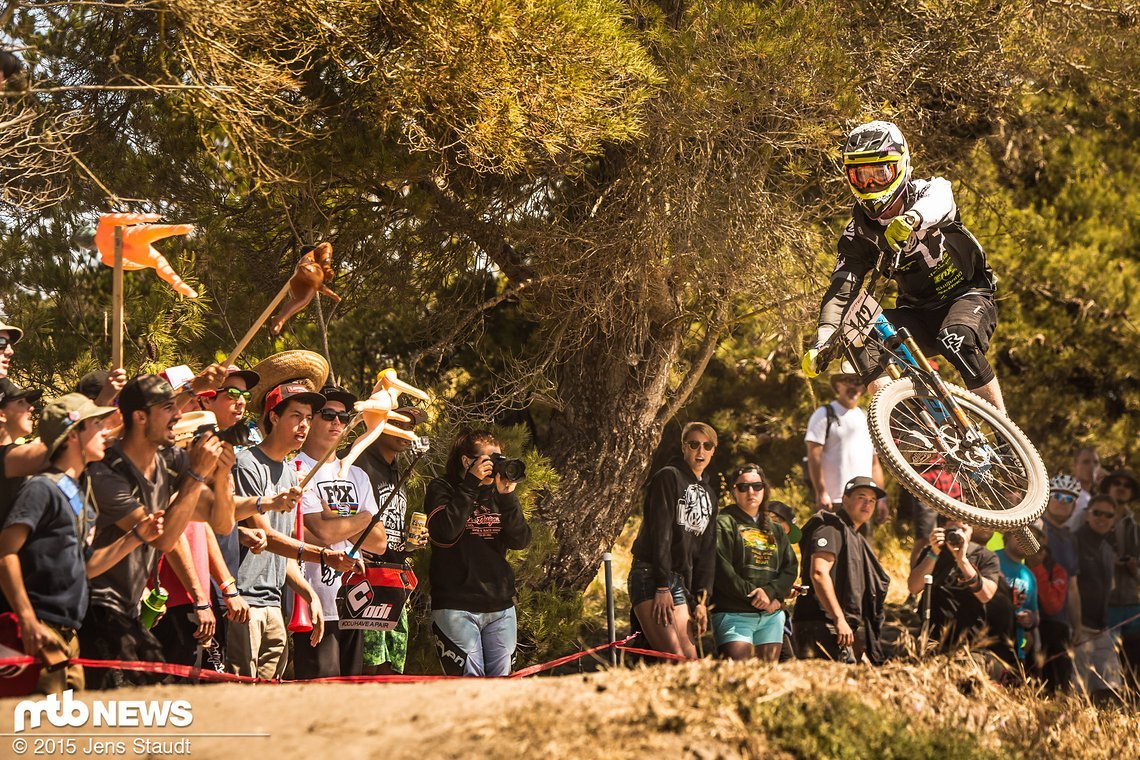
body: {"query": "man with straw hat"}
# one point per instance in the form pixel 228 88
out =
pixel 9 336
pixel 44 540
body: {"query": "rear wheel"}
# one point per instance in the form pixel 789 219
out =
pixel 997 481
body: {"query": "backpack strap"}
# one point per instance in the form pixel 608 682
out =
pixel 832 419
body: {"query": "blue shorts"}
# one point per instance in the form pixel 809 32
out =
pixel 753 628
pixel 643 586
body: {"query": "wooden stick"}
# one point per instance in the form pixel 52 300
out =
pixel 117 303
pixel 265 315
pixel 332 449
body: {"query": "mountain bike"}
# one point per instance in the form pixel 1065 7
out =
pixel 948 447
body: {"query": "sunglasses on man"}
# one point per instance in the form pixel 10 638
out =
pixel 328 415
pixel 706 445
pixel 4 342
pixel 1064 498
pixel 744 487
pixel 1098 513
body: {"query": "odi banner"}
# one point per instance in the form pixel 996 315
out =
pixel 375 600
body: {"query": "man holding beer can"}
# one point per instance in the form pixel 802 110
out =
pixel 387 651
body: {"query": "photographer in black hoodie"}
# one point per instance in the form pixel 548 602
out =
pixel 674 554
pixel 474 517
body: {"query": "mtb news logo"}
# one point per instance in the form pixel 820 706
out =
pixel 132 713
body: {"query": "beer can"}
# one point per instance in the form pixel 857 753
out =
pixel 417 530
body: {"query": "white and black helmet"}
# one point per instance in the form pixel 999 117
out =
pixel 1065 483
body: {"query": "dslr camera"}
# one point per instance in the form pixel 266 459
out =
pixel 513 470
pixel 237 435
pixel 955 538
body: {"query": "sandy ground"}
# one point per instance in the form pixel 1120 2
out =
pixel 571 716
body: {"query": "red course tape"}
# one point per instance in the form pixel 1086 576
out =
pixel 201 674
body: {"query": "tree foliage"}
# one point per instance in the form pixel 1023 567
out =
pixel 571 214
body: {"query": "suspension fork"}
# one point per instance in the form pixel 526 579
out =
pixel 944 408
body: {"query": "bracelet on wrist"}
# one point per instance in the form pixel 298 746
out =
pixel 195 475
pixel 136 534
pixel 232 594
pixel 228 582
pixel 203 606
pixel 300 551
pixel 257 506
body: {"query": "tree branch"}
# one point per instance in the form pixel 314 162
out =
pixel 484 234
pixel 705 351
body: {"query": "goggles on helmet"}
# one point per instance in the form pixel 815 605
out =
pixel 872 178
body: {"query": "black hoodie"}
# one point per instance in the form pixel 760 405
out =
pixel 678 530
pixel 471 528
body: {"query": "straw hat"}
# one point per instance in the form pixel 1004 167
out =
pixel 304 367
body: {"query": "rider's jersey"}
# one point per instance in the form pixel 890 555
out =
pixel 941 261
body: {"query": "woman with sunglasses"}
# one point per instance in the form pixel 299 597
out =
pixel 755 570
pixel 674 554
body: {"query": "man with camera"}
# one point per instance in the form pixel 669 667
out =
pixel 143 474
pixel 965 580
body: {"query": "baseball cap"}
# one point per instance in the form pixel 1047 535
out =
pixel 91 384
pixel 781 509
pixel 16 332
pixel 414 413
pixel 336 393
pixel 61 413
pixel 143 392
pixel 250 377
pixel 862 481
pixel 9 391
pixel 287 391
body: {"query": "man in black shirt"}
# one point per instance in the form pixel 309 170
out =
pixel 387 651
pixel 910 230
pixel 965 580
pixel 841 615
pixel 1097 663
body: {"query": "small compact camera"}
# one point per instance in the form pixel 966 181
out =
pixel 513 470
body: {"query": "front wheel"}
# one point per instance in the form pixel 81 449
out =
pixel 997 481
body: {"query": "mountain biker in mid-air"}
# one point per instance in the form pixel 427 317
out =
pixel 945 287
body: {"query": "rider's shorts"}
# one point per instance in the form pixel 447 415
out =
pixel 959 331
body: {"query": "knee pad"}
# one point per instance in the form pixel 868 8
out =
pixel 960 347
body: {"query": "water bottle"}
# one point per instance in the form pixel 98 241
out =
pixel 153 607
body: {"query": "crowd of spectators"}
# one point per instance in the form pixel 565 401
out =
pixel 150 520
pixel 155 521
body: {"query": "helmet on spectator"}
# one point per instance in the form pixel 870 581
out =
pixel 876 163
pixel 1065 483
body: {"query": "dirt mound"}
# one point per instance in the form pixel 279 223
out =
pixel 944 708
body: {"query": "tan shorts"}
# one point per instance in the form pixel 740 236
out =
pixel 257 648
pixel 63 646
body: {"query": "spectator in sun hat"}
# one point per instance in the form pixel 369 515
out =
pixel 17 411
pixel 45 552
pixel 142 474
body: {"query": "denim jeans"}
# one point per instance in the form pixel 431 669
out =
pixel 476 643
